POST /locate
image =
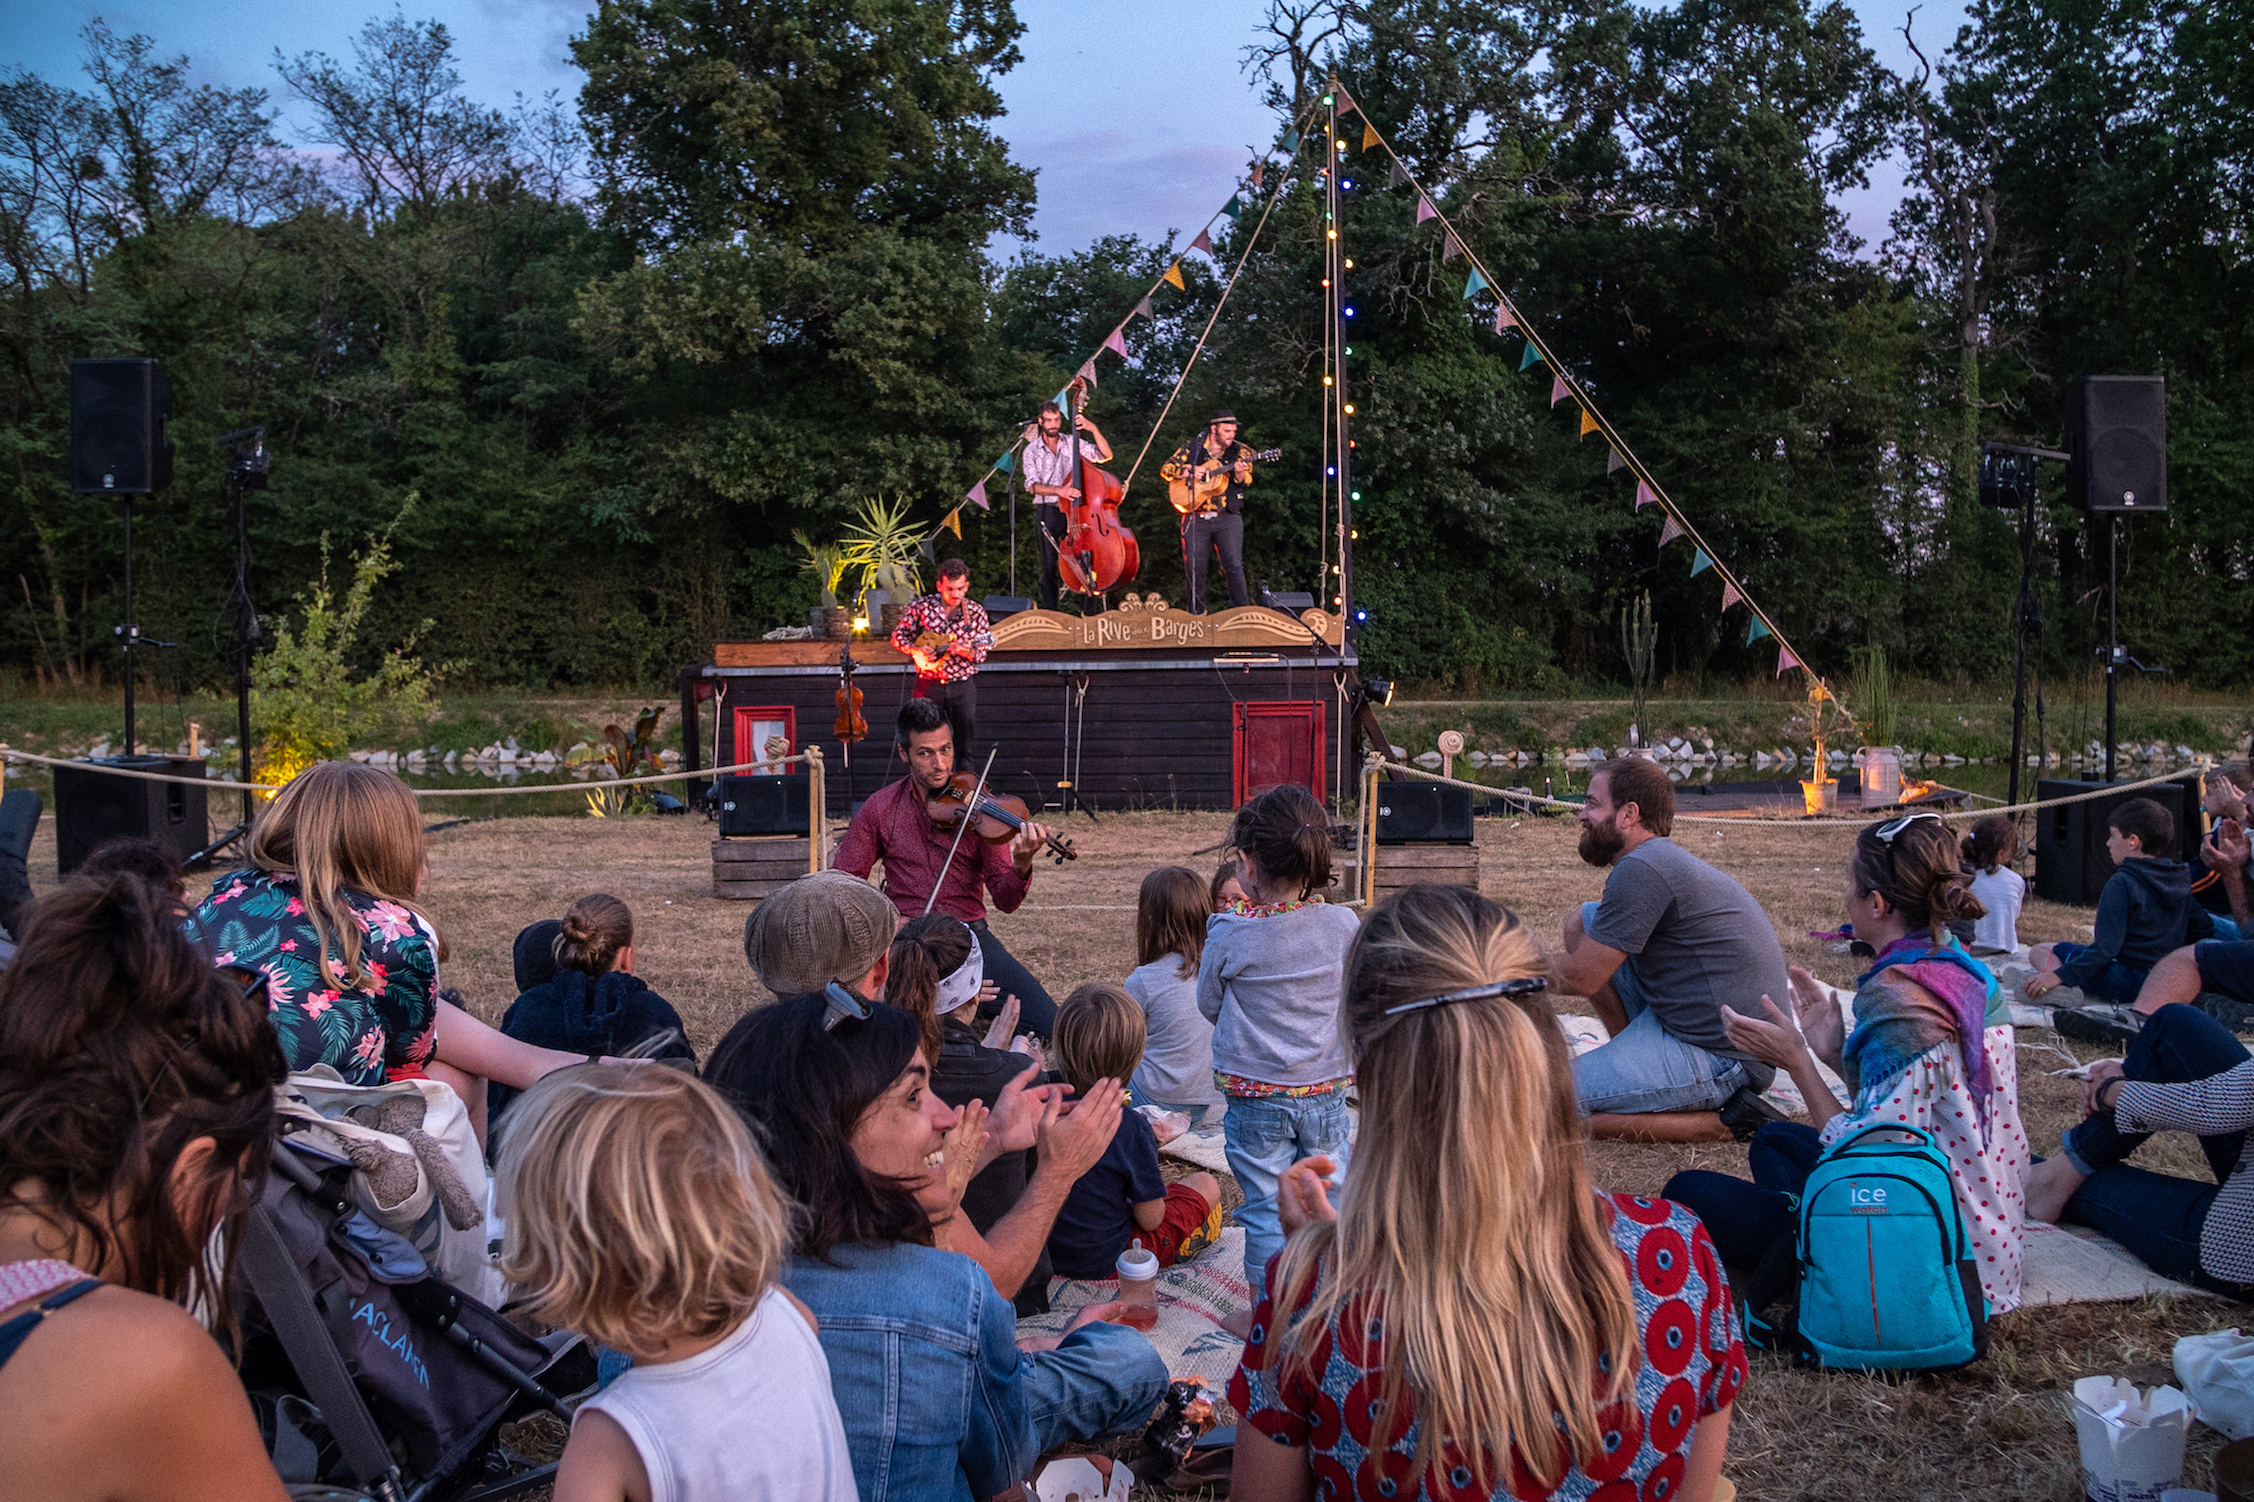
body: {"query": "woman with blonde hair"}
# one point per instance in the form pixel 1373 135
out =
pixel 327 912
pixel 1476 1319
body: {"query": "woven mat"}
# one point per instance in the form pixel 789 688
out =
pixel 1191 1298
pixel 1204 1148
pixel 2075 1265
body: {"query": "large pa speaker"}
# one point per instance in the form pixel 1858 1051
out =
pixel 2070 861
pixel 1423 813
pixel 92 806
pixel 2117 431
pixel 118 412
pixel 764 805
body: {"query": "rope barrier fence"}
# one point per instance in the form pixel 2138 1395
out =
pixel 811 755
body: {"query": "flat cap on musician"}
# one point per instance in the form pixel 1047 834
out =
pixel 825 926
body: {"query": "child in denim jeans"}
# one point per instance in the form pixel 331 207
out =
pixel 1270 981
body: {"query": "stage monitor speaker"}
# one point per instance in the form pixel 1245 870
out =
pixel 118 413
pixel 1423 813
pixel 2117 431
pixel 998 606
pixel 764 805
pixel 2071 865
pixel 92 806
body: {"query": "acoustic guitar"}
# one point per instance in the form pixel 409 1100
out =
pixel 931 647
pixel 1204 494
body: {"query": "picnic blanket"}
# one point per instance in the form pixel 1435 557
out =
pixel 1192 1296
pixel 1205 1148
pixel 2075 1265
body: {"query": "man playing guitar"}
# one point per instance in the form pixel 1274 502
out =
pixel 1219 526
pixel 948 635
pixel 1052 479
pixel 894 827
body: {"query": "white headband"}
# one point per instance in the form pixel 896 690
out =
pixel 962 986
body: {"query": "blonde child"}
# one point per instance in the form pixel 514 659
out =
pixel 1270 981
pixel 641 1215
pixel 1123 1197
pixel 1990 850
pixel 1177 1068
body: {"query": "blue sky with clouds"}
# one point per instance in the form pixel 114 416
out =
pixel 1137 115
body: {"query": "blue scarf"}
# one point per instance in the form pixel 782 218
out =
pixel 1894 1026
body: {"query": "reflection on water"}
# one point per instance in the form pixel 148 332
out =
pixel 1989 780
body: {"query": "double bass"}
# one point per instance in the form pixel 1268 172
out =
pixel 1098 552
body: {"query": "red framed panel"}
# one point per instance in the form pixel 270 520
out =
pixel 1276 741
pixel 754 723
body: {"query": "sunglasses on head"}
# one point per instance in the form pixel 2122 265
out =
pixel 841 1005
pixel 1886 832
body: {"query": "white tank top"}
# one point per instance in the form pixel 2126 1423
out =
pixel 751 1420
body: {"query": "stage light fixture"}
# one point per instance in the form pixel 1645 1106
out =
pixel 1380 690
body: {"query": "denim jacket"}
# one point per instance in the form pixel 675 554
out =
pixel 938 1401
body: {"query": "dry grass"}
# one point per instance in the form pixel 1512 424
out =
pixel 1998 1430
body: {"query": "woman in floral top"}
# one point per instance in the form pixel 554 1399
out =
pixel 1588 1339
pixel 326 912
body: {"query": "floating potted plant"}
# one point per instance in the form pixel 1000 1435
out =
pixel 1882 757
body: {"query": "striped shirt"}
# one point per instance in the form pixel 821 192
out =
pixel 2212 1107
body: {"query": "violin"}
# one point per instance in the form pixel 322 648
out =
pixel 850 724
pixel 1097 553
pixel 996 817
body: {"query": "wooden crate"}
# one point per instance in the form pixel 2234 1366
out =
pixel 749 869
pixel 1401 866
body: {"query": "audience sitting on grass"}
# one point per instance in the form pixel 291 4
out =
pixel 1122 1197
pixel 1269 982
pixel 136 1119
pixel 825 926
pixel 326 912
pixel 1176 1072
pixel 2145 911
pixel 938 1398
pixel 1932 1048
pixel 19 822
pixel 936 976
pixel 1227 889
pixel 641 1215
pixel 2219 885
pixel 1990 850
pixel 2184 1072
pixel 1669 952
pixel 592 1003
pixel 1476 1319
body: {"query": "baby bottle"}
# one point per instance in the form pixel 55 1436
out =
pixel 1138 1286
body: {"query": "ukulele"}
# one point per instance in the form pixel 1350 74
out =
pixel 1200 495
pixel 931 648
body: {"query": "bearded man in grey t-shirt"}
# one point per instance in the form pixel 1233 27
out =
pixel 1672 943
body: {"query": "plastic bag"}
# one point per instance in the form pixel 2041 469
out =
pixel 2218 1371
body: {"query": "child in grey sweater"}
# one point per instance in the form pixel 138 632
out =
pixel 1270 981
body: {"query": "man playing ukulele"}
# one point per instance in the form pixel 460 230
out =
pixel 948 634
pixel 1219 526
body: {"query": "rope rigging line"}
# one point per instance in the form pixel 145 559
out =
pixel 810 754
pixel 1511 317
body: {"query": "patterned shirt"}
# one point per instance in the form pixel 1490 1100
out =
pixel 1042 466
pixel 1691 1367
pixel 968 623
pixel 2212 1107
pixel 385 1029
pixel 893 827
pixel 1192 454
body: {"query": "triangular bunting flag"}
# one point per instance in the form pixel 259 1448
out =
pixel 925 547
pixel 1588 422
pixel 1670 532
pixel 1259 170
pixel 1756 631
pixel 1088 371
pixel 1425 210
pixel 1644 495
pixel 1007 463
pixel 1142 309
pixel 1474 285
pixel 1234 207
pixel 1397 176
pixel 1504 318
pixel 1116 341
pixel 954 522
pixel 1730 594
pixel 1613 463
pixel 1455 249
pixel 977 494
pixel 1532 357
pixel 1559 391
pixel 1174 275
pixel 1289 144
pixel 1700 563
pixel 1346 104
pixel 1203 242
pixel 1369 134
pixel 1785 659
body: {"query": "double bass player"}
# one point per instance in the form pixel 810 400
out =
pixel 1051 467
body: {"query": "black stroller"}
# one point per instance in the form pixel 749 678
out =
pixel 371 1377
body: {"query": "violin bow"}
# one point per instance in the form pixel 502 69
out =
pixel 969 814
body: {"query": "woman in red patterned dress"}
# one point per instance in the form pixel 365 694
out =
pixel 1477 1320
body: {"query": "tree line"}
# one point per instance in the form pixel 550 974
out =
pixel 622 347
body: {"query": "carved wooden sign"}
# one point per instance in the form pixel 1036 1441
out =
pixel 1143 622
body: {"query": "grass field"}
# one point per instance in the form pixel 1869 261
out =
pixel 1999 1430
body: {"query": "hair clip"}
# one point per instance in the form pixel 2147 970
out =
pixel 841 1005
pixel 1524 985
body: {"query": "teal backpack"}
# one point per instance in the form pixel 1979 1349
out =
pixel 1881 1275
